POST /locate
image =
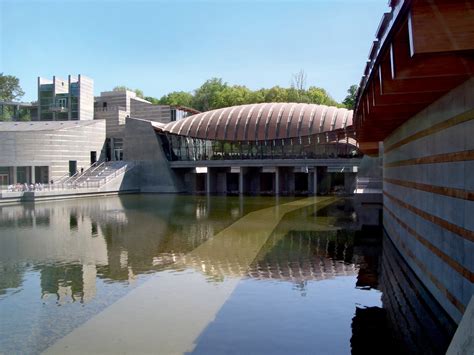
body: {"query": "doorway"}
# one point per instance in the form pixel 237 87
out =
pixel 72 167
pixel 3 180
pixel 93 157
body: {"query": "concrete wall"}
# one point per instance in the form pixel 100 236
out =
pixel 142 146
pixel 113 99
pixel 115 121
pixel 53 148
pixel 429 196
pixel 86 98
pixel 120 104
pixel 145 110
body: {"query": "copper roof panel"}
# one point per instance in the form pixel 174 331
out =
pixel 267 114
pixel 262 121
pixel 258 121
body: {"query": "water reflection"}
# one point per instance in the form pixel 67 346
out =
pixel 83 255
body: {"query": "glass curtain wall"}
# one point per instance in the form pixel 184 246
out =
pixel 182 148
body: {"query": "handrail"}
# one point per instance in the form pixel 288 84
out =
pixel 71 177
pixel 97 167
pixel 70 185
pixel 63 178
pixel 120 171
pixel 84 172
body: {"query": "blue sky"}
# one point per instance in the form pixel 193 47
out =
pixel 163 46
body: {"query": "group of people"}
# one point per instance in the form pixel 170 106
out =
pixel 26 187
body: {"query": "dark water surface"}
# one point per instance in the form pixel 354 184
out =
pixel 207 275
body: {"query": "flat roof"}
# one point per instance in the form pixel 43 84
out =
pixel 44 125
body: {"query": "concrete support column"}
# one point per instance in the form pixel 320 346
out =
pixel 112 149
pixel 241 181
pixel 315 181
pixel 27 175
pixel 208 181
pixel 15 176
pixel 33 175
pixel 349 183
pixel 277 181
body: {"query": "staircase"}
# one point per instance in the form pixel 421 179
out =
pixel 99 174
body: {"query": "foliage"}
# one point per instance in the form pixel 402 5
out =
pixel 210 95
pixel 24 115
pixel 6 114
pixel 175 98
pixel 9 113
pixel 215 93
pixel 350 100
pixel 10 89
pixel 125 88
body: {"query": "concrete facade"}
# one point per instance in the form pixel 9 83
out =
pixel 27 146
pixel 63 100
pixel 142 146
pixel 115 106
pixel 256 176
pixel 428 196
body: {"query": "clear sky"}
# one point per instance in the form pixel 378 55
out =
pixel 163 46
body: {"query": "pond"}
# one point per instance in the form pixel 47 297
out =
pixel 208 275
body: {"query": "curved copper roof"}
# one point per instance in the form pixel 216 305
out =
pixel 262 121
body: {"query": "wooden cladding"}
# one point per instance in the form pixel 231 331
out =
pixel 432 130
pixel 465 233
pixel 449 296
pixel 438 26
pixel 464 272
pixel 427 52
pixel 439 190
pixel 434 159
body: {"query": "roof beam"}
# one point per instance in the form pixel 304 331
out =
pixel 441 26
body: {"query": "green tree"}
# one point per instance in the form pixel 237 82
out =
pixel 276 94
pixel 125 88
pixel 320 96
pixel 10 89
pixel 209 95
pixel 24 115
pixel 176 98
pixel 350 100
pixel 153 100
pixel 215 93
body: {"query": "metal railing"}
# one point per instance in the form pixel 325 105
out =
pixel 368 184
pixel 70 183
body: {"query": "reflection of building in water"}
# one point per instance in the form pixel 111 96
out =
pixel 410 321
pixel 66 255
pixel 11 276
pixel 68 282
pixel 297 257
pixel 63 281
pixel 411 309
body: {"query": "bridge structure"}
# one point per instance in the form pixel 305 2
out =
pixel 270 148
pixel 416 100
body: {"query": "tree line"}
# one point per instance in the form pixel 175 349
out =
pixel 216 93
pixel 212 94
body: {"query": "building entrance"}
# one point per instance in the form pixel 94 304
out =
pixel 3 180
pixel 72 167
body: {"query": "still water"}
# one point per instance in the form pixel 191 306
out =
pixel 207 275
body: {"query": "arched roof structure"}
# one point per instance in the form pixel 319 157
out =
pixel 265 121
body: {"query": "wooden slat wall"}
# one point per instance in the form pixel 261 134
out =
pixel 429 199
